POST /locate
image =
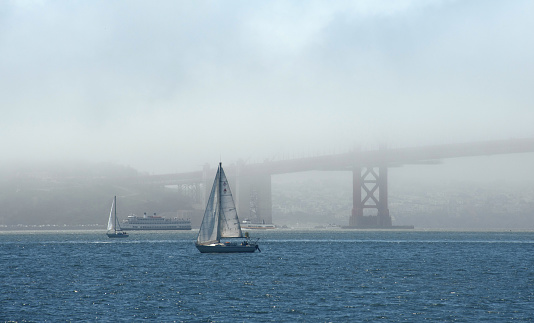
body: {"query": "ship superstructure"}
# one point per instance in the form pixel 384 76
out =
pixel 154 222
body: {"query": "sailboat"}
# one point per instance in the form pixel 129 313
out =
pixel 221 221
pixel 114 229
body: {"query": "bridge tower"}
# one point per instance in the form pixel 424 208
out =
pixel 370 191
pixel 253 196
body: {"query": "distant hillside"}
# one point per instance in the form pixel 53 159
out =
pixel 78 194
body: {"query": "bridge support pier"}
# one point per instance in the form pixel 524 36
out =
pixel 369 187
pixel 254 199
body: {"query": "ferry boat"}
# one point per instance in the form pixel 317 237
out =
pixel 154 222
pixel 247 224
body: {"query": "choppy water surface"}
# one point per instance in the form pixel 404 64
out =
pixel 300 276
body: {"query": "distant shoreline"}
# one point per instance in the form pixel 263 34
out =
pixel 51 227
pixel 99 227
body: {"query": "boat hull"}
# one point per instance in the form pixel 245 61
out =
pixel 227 248
pixel 117 235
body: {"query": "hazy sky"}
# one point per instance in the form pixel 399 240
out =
pixel 167 86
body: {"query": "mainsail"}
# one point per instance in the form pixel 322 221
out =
pixel 111 220
pixel 228 221
pixel 220 218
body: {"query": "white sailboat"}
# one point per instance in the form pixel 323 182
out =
pixel 114 229
pixel 221 221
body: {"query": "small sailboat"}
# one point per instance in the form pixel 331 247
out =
pixel 221 221
pixel 114 228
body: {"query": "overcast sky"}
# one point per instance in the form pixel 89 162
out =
pixel 167 86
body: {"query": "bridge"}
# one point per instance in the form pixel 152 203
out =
pixel 251 183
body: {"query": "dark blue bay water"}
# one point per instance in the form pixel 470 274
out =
pixel 300 276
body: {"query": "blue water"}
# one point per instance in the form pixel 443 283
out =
pixel 300 276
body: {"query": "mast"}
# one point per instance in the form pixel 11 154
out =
pixel 219 204
pixel 115 222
